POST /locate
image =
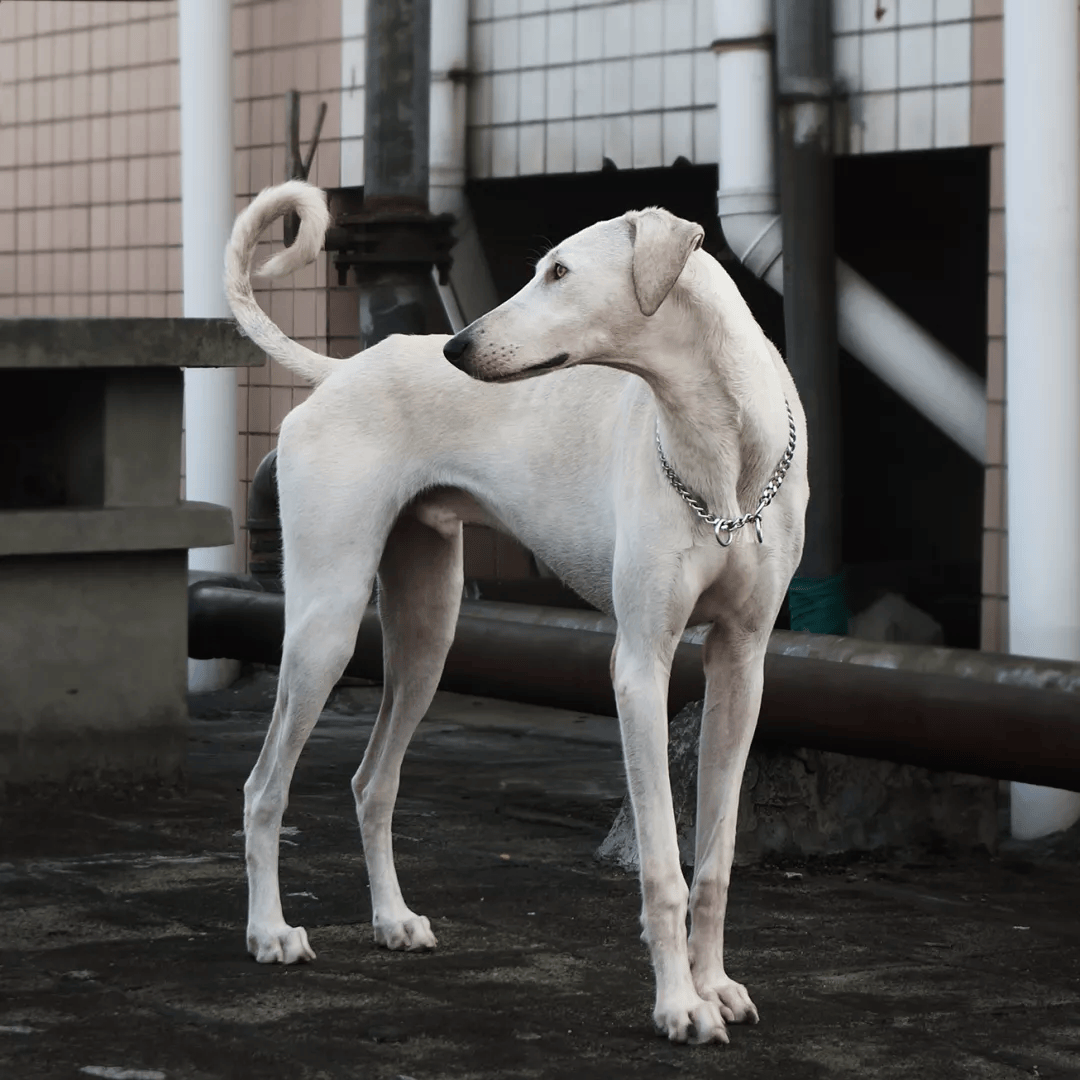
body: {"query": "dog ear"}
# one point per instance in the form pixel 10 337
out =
pixel 662 244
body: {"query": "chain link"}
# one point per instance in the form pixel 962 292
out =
pixel 725 527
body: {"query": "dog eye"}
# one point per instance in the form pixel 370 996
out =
pixel 559 271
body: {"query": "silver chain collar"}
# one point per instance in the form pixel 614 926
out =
pixel 725 527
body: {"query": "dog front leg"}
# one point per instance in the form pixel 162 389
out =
pixel 641 679
pixel 734 670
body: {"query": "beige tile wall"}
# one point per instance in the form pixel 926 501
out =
pixel 987 129
pixel 90 165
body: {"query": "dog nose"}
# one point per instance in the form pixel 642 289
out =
pixel 455 348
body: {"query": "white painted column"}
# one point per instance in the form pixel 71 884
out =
pixel 206 187
pixel 1042 314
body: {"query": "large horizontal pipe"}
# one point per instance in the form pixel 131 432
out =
pixel 942 721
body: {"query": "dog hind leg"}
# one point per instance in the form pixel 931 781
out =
pixel 420 583
pixel 323 610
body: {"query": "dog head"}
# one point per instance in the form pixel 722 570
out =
pixel 596 298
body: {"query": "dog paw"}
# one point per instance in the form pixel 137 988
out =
pixel 411 933
pixel 693 1021
pixel 279 945
pixel 733 999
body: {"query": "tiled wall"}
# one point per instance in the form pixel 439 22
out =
pixel 560 85
pixel 89 143
pixel 90 165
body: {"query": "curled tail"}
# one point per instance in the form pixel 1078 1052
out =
pixel 271 203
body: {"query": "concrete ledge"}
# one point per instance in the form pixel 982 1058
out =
pixel 68 531
pixel 133 343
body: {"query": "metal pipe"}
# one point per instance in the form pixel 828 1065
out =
pixel 935 720
pixel 869 325
pixel 1042 281
pixel 471 288
pixel 206 178
pixel 804 89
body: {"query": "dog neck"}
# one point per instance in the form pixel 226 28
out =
pixel 722 418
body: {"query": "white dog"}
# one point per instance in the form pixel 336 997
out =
pixel 661 406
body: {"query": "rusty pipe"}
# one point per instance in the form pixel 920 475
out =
pixel 938 720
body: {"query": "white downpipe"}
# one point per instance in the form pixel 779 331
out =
pixel 1042 292
pixel 206 186
pixel 870 326
pixel 471 290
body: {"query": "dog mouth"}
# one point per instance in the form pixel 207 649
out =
pixel 533 369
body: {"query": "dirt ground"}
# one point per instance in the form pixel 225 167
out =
pixel 122 929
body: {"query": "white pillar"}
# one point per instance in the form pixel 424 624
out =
pixel 206 187
pixel 1042 314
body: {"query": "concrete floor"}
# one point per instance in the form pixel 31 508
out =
pixel 122 923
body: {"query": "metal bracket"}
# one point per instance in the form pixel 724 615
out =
pixel 296 166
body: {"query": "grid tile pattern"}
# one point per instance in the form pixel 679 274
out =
pixel 557 86
pixel 908 68
pixel 90 166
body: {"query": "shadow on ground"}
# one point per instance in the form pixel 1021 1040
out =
pixel 122 929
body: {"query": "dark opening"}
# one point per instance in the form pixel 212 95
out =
pixel 916 226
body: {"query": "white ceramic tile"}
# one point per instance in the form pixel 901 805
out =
pixel 879 60
pixel 704 78
pixel 532 41
pixel 705 22
pixel 648 145
pixel 879 123
pixel 482 46
pixel 560 147
pixel 480 100
pixel 353 63
pixel 617 31
pixel 916 57
pixel 478 9
pixel 561 38
pixel 530 149
pixel 678 25
pixel 616 86
pixel 618 141
pixel 647 82
pixel 678 135
pixel 704 137
pixel 505 44
pixel 588 89
pixel 955 9
pixel 916 12
pixel 560 93
pixel 588 145
pixel 532 100
pixel 479 154
pixel 352 162
pixel 878 14
pixel 501 9
pixel 952 53
pixel 589 33
pixel 678 81
pixel 847 57
pixel 352 114
pixel 504 151
pixel 353 18
pixel 553 4
pixel 952 116
pixel 915 120
pixel 648 26
pixel 504 98
pixel 529 6
pixel 847 16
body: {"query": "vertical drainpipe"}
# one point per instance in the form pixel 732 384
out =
pixel 1042 311
pixel 804 87
pixel 471 287
pixel 206 187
